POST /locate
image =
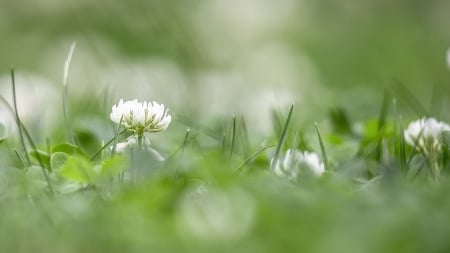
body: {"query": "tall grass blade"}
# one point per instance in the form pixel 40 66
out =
pixel 233 136
pixel 186 138
pixel 16 112
pixel 65 93
pixel 322 147
pixel 23 130
pixel 415 104
pixel 239 168
pixel 20 158
pixel 39 158
pixel 244 135
pixel 282 138
pixel 403 163
pixel 381 126
pixel 105 146
pixel 113 151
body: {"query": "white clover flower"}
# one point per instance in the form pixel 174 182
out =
pixel 140 117
pixel 295 162
pixel 424 133
pixel 314 163
pixel 122 146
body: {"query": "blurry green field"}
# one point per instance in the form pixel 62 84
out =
pixel 229 72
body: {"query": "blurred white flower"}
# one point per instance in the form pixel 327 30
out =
pixel 122 146
pixel 34 94
pixel 296 162
pixel 424 133
pixel 140 117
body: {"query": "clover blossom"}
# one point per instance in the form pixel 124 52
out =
pixel 295 162
pixel 424 134
pixel 141 117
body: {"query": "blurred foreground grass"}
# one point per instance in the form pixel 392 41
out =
pixel 231 213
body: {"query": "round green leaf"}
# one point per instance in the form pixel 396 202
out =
pixel 57 160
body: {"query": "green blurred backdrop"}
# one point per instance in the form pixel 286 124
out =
pixel 239 55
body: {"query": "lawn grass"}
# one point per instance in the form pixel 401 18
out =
pixel 348 79
pixel 217 196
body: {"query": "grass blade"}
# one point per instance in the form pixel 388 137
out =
pixel 282 138
pixel 186 137
pixel 65 93
pixel 106 145
pixel 20 159
pixel 244 134
pixel 253 156
pixel 381 126
pixel 23 130
pixel 403 163
pixel 322 148
pixel 415 104
pixel 233 136
pixel 182 147
pixel 113 151
pixel 16 112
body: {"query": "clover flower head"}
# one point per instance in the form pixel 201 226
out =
pixel 295 162
pixel 140 117
pixel 424 133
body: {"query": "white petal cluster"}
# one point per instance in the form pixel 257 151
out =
pixel 424 133
pixel 141 117
pixel 122 146
pixel 295 162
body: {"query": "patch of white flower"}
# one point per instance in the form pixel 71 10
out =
pixel 424 133
pixel 296 162
pixel 123 146
pixel 141 117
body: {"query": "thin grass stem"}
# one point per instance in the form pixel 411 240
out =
pixel 16 112
pixel 233 136
pixel 105 146
pixel 239 168
pixel 65 93
pixel 322 147
pixel 282 138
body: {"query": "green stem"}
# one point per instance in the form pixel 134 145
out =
pixel 141 141
pixel 434 167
